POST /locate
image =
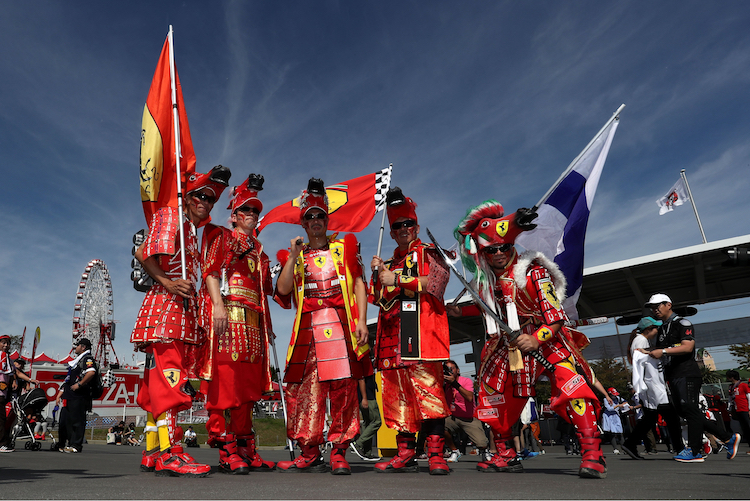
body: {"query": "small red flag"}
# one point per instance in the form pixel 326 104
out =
pixel 351 204
pixel 158 166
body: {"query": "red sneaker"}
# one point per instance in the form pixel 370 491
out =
pixel 309 462
pixel 500 464
pixel 148 461
pixel 172 465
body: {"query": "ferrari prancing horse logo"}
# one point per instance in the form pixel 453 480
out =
pixel 502 228
pixel 172 376
pixel 328 333
pixel 320 261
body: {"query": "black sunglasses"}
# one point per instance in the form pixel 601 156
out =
pixel 315 215
pixel 204 197
pixel 409 223
pixel 492 249
pixel 246 210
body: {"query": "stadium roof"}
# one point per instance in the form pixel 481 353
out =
pixel 689 276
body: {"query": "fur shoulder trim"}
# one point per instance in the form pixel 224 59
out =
pixel 534 258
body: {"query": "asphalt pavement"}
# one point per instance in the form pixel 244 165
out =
pixel 111 472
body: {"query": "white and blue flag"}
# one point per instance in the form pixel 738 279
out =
pixel 564 215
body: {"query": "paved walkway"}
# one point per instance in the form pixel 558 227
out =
pixel 110 472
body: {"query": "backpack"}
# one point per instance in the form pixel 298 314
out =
pixel 97 384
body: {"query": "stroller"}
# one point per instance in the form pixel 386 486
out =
pixel 26 407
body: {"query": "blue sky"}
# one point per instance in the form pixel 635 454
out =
pixel 468 100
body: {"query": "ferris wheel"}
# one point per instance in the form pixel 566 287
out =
pixel 93 312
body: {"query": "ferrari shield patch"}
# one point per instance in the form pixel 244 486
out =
pixel 501 228
pixel 550 294
pixel 172 376
pixel 320 261
pixel 578 405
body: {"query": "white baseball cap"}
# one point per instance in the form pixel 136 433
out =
pixel 658 299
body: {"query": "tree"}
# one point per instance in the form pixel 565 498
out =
pixel 742 353
pixel 612 373
pixel 15 344
pixel 710 376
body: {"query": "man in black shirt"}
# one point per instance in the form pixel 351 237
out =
pixel 77 395
pixel 675 347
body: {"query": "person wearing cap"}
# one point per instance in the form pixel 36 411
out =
pixel 167 327
pixel 76 395
pixel 412 339
pixel 648 384
pixel 528 291
pixel 328 350
pixel 675 348
pixel 234 293
pixel 611 421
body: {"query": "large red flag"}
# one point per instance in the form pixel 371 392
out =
pixel 351 204
pixel 158 165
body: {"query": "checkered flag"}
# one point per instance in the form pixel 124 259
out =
pixel 382 185
pixel 275 269
pixel 109 379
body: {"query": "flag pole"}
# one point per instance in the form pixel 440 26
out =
pixel 382 221
pixel 615 116
pixel 382 230
pixel 272 338
pixel 177 154
pixel 692 202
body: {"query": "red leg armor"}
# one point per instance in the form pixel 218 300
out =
pixel 310 461
pixel 582 413
pixel 247 451
pixel 435 445
pixel 229 460
pixel 339 464
pixel 404 461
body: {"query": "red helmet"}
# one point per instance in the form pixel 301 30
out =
pixel 215 181
pixel 397 206
pixel 314 197
pixel 486 225
pixel 247 194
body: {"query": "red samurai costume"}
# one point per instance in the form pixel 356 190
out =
pixel 412 339
pixel 324 360
pixel 236 369
pixel 527 290
pixel 167 332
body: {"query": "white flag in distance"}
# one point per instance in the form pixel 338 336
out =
pixel 676 196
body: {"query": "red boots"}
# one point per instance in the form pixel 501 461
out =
pixel 310 461
pixel 247 451
pixel 592 463
pixel 229 460
pixel 404 461
pixel 339 464
pixel 435 445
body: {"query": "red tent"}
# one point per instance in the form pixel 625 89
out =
pixel 16 355
pixel 275 395
pixel 42 358
pixel 66 360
